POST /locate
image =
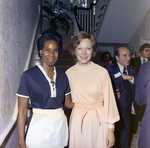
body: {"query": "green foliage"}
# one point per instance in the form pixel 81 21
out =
pixel 55 15
pixel 74 3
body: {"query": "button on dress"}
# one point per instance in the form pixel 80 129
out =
pixel 48 125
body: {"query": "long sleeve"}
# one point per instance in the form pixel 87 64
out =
pixel 141 83
pixel 111 110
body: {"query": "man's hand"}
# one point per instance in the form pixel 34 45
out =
pixel 127 77
pixel 117 94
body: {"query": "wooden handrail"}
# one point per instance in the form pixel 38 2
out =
pixel 27 65
pixel 8 135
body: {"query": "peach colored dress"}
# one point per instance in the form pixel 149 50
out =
pixel 95 107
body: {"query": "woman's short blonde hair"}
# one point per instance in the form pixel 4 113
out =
pixel 78 38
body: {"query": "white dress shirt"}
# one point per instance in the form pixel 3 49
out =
pixel 132 81
pixel 121 70
pixel 142 60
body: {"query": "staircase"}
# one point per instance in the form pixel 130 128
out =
pixel 65 60
pixel 90 19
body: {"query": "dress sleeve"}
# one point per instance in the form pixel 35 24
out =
pixel 110 107
pixel 67 90
pixel 24 88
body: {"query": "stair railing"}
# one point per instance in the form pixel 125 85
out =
pixel 90 19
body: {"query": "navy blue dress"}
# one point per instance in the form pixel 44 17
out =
pixel 37 86
pixel 34 85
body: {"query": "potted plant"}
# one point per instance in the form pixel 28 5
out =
pixel 56 16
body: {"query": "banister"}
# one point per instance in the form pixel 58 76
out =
pixel 12 126
pixel 77 20
pixel 90 19
pixel 82 8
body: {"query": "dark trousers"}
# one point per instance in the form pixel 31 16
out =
pixel 122 131
pixel 133 128
pixel 141 111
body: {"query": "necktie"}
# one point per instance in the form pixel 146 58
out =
pixel 126 82
pixel 125 70
pixel 144 60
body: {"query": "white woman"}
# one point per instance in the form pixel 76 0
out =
pixel 46 87
pixel 95 111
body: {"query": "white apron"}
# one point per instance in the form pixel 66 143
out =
pixel 47 129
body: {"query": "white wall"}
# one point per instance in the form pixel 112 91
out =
pixel 142 34
pixel 17 22
pixel 105 48
pixel 121 20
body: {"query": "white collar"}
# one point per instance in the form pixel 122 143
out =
pixel 45 74
pixel 121 67
pixel 143 59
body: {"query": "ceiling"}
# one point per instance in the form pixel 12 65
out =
pixel 121 20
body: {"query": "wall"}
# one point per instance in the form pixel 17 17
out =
pixel 110 47
pixel 141 35
pixel 12 142
pixel 121 20
pixel 17 22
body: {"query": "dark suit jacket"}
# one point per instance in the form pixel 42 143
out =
pixel 124 103
pixel 136 62
pixel 142 96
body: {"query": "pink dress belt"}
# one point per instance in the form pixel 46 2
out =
pixel 86 109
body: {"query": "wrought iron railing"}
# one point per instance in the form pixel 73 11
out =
pixel 90 19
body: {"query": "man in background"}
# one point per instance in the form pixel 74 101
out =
pixel 123 77
pixel 142 96
pixel 144 57
pixel 137 62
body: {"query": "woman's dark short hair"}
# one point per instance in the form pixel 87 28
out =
pixel 146 45
pixel 78 38
pixel 103 55
pixel 49 35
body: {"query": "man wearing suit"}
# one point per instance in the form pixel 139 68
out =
pixel 142 96
pixel 144 57
pixel 137 62
pixel 123 77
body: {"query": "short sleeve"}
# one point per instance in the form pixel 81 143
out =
pixel 67 91
pixel 24 89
